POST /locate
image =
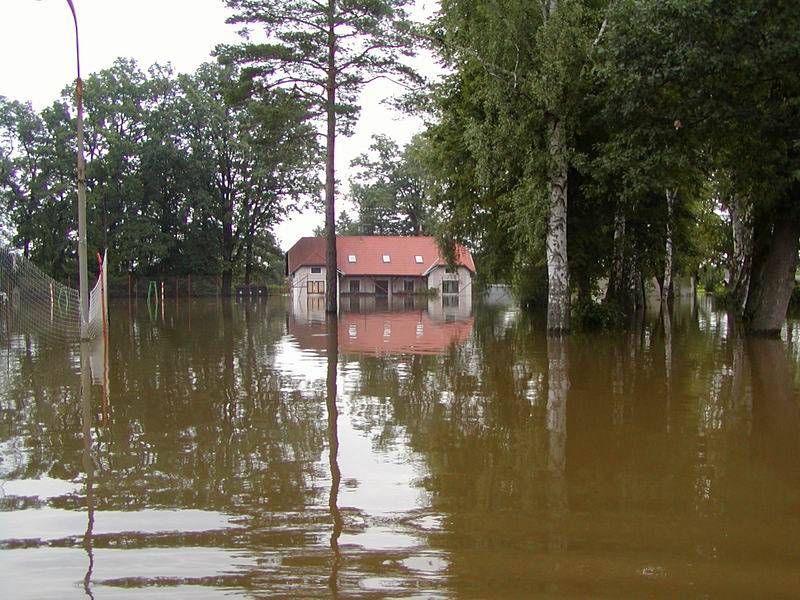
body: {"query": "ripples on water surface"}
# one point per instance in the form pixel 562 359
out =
pixel 423 452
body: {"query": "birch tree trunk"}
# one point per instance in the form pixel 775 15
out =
pixel 742 259
pixel 666 286
pixel 558 298
pixel 227 243
pixel 618 263
pixel 622 288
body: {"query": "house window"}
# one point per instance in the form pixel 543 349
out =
pixel 418 258
pixel 316 287
pixel 387 258
pixel 316 269
pixel 351 258
pixel 355 286
pixel 450 286
pixel 408 286
pixel 451 271
pixel 450 301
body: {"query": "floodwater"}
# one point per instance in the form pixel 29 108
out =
pixel 440 450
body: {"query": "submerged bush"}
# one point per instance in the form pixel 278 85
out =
pixel 590 315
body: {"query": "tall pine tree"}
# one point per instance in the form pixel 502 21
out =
pixel 325 52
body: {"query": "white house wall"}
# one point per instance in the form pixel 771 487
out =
pixel 303 275
pixel 439 274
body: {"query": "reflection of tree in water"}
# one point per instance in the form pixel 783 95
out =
pixel 523 469
pixel 41 421
pixel 479 422
pixel 331 393
pixel 200 417
pixel 205 410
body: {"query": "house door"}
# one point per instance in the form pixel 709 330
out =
pixel 382 287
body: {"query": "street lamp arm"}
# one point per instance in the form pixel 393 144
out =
pixel 77 45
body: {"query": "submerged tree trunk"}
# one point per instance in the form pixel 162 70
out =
pixel 741 261
pixel 331 291
pixel 666 286
pixel 558 299
pixel 775 247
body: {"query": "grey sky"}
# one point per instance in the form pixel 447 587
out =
pixel 38 48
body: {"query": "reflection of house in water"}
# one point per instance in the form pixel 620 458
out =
pixel 369 325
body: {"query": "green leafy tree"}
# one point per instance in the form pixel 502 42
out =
pixel 712 87
pixel 389 189
pixel 37 182
pixel 23 169
pixel 521 73
pixel 255 159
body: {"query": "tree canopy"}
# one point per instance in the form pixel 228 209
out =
pixel 183 176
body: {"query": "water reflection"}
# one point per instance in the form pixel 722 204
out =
pixel 379 326
pixel 88 461
pixel 333 448
pixel 262 451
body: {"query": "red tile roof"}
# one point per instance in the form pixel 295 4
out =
pixel 369 252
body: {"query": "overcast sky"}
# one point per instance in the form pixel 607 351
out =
pixel 37 46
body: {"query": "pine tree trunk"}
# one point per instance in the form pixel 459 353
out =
pixel 558 299
pixel 775 247
pixel 331 291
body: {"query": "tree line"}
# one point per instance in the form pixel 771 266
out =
pixel 577 147
pixel 185 174
pixel 580 141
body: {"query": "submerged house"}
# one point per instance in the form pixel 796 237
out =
pixel 383 266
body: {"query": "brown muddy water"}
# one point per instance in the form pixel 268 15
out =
pixel 439 451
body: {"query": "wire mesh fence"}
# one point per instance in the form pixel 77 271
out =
pixel 32 302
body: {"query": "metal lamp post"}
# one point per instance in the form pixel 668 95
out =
pixel 86 383
pixel 83 273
